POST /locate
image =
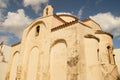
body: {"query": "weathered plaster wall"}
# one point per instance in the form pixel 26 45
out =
pixel 4 59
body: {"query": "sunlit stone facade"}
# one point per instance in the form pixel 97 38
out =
pixel 117 58
pixel 4 59
pixel 62 47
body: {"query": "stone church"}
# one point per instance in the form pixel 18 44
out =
pixel 62 47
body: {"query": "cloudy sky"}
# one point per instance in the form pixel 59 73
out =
pixel 15 15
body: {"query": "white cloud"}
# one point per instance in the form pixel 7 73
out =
pixel 3 3
pixel 80 13
pixel 108 22
pixel 13 23
pixel 35 4
pixel 16 22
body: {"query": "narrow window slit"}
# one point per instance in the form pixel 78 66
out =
pixel 37 30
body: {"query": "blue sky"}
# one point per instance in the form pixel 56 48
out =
pixel 15 15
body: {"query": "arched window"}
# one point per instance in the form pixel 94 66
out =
pixel 114 58
pixel 46 11
pixel 58 60
pixel 37 30
pixel 109 53
pixel 33 64
pixel 15 62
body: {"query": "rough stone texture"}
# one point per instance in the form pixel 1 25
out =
pixel 117 59
pixel 4 58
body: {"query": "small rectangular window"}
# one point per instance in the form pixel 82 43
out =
pixel 98 54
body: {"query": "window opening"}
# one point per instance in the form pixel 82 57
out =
pixel 46 11
pixel 37 30
pixel 114 58
pixel 109 52
pixel 98 54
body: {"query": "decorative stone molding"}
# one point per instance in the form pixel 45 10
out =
pixel 64 25
pixel 92 36
pixel 102 32
pixel 89 19
pixel 15 44
pixel 57 17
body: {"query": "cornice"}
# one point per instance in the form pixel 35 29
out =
pixel 64 25
pixel 102 32
pixel 92 36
